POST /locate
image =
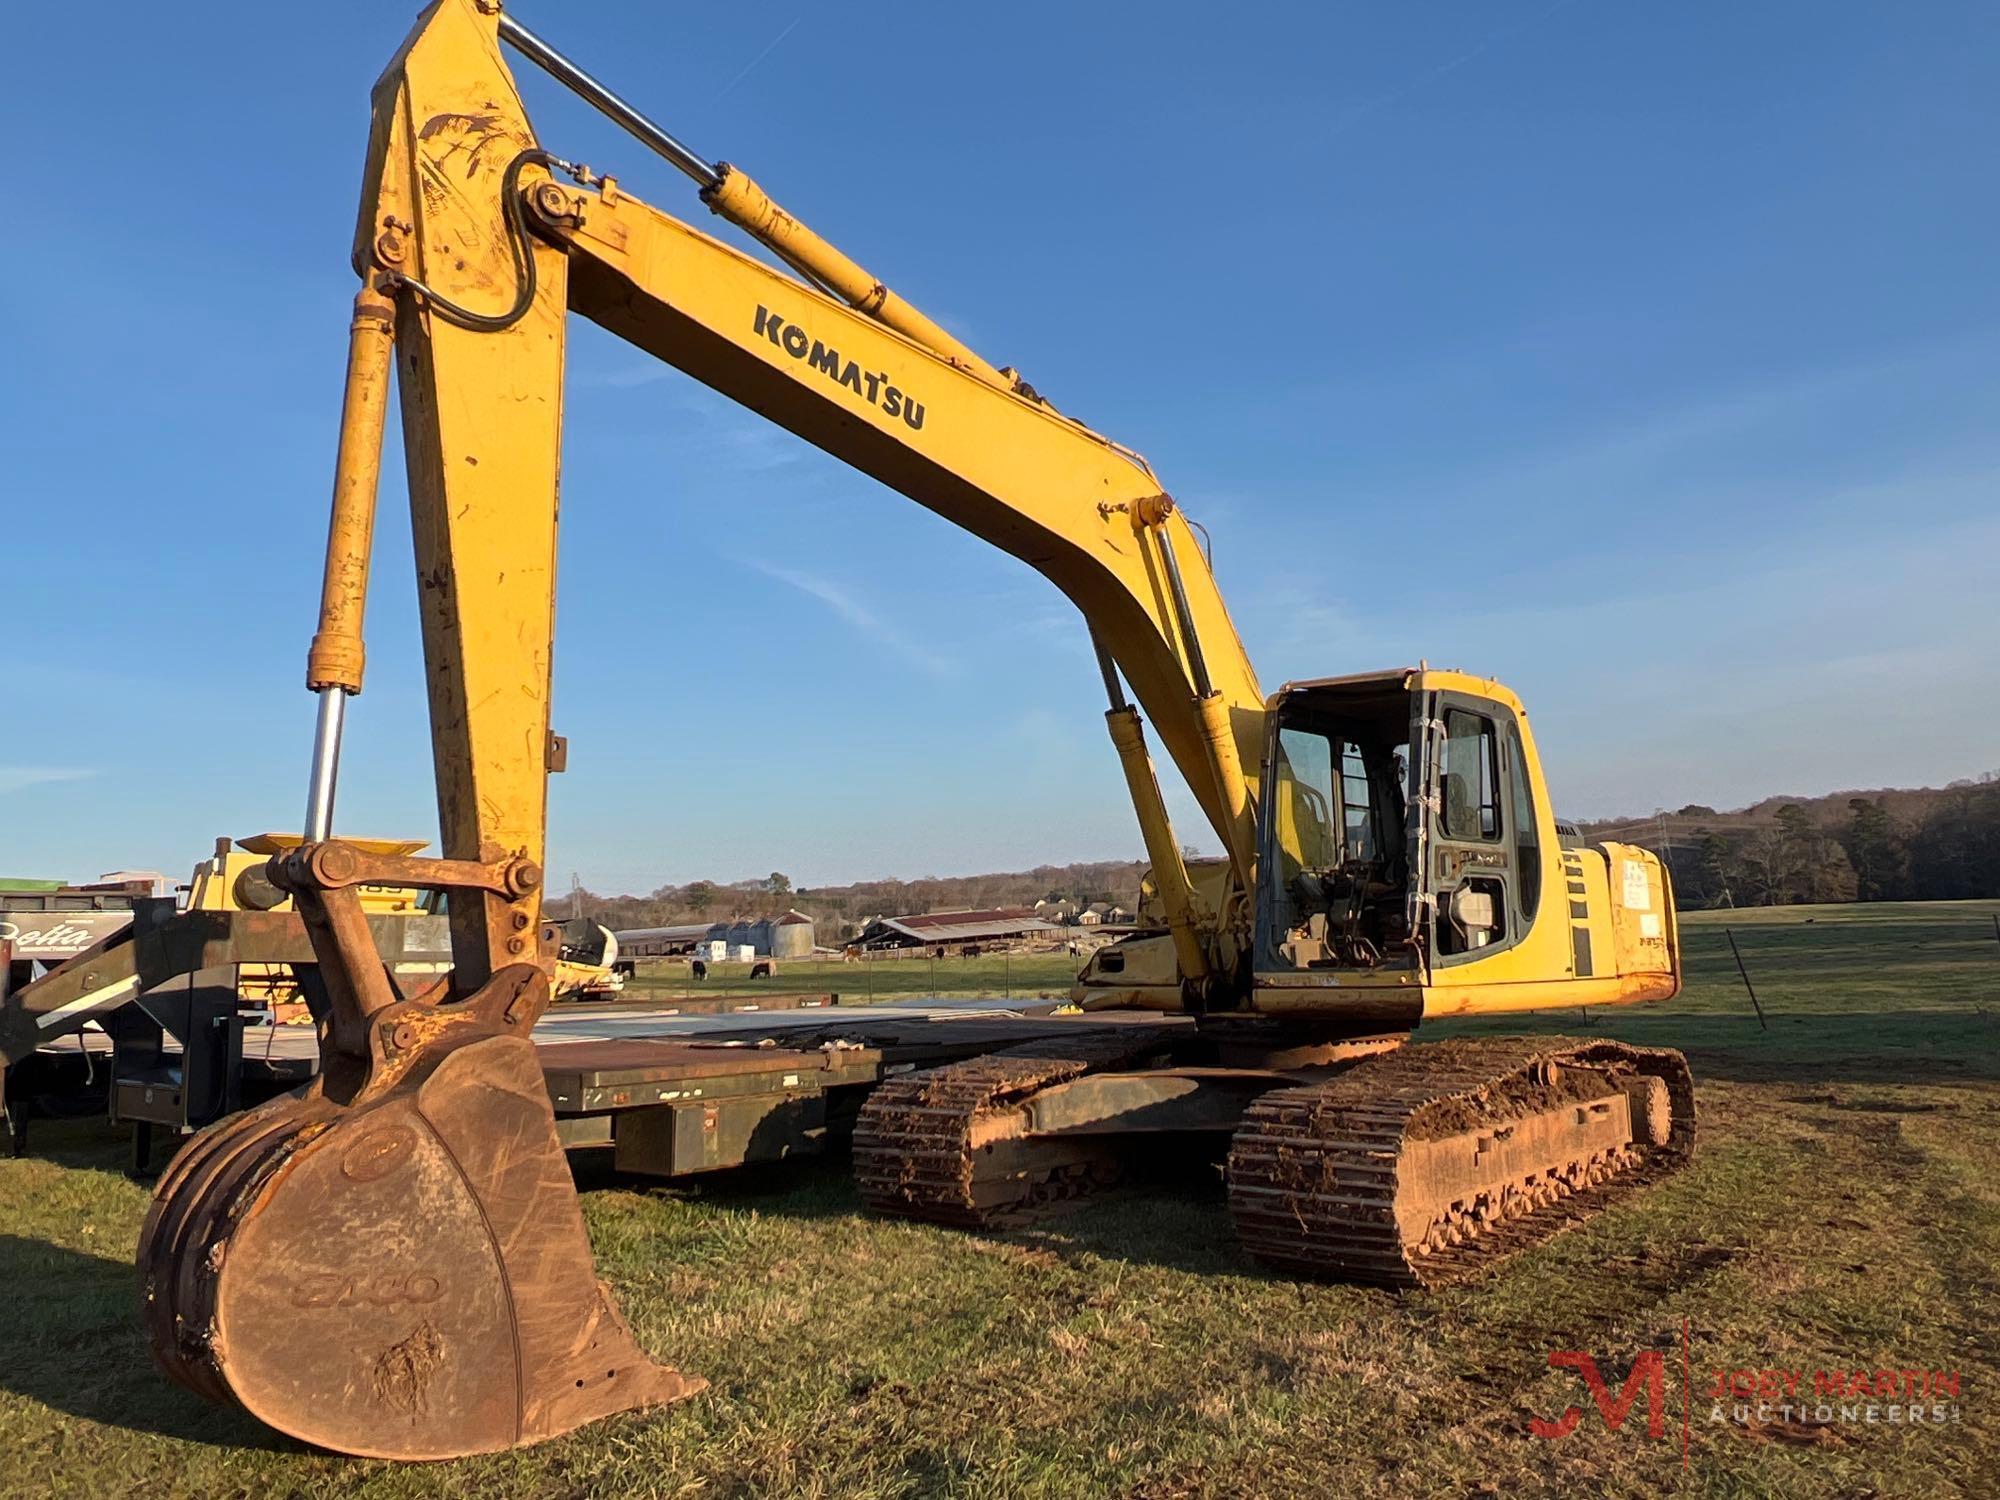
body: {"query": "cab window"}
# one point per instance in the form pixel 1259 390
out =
pixel 1305 804
pixel 1357 805
pixel 1470 783
pixel 1527 846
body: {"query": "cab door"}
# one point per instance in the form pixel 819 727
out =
pixel 1474 833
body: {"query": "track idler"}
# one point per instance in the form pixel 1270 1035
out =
pixel 404 1274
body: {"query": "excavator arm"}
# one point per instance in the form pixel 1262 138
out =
pixel 473 243
pixel 1088 515
pixel 410 1218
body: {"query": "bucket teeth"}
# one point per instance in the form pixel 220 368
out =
pixel 1322 1180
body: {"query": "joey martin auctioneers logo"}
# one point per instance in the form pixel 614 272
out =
pixel 1806 1404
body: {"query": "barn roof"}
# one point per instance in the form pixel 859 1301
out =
pixel 962 926
pixel 686 932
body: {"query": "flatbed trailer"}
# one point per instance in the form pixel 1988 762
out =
pixel 142 1015
pixel 689 1087
pixel 673 1106
pixel 670 1094
pixel 148 1020
pixel 278 1057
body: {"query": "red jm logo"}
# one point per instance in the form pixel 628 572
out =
pixel 1649 1373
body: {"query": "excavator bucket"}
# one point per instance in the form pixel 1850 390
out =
pixel 391 1262
pixel 405 1277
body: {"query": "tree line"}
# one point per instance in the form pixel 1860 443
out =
pixel 1909 844
pixel 839 910
pixel 1921 845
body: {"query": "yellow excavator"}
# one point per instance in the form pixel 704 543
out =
pixel 1392 851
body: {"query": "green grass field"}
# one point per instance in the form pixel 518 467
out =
pixel 1843 1210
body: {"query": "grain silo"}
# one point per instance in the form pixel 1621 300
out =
pixel 791 935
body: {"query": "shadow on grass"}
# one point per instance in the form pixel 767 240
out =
pixel 803 1187
pixel 1170 1214
pixel 1169 1209
pixel 75 1346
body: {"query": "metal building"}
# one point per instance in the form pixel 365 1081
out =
pixel 786 936
pixel 1004 924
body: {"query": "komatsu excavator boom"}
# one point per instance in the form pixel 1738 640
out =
pixel 1391 848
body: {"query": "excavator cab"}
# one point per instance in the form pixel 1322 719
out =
pixel 1403 827
pixel 1335 863
pixel 1479 840
pixel 1408 843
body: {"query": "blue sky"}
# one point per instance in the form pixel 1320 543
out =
pixel 1645 357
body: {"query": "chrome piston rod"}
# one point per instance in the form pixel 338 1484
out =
pixel 1190 642
pixel 1113 689
pixel 327 726
pixel 567 73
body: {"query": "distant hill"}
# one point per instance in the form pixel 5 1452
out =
pixel 839 910
pixel 1887 844
pixel 1884 844
pixel 1909 803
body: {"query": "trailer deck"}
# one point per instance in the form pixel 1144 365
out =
pixel 691 1087
pixel 760 1088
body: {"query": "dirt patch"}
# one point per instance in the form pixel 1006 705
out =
pixel 402 1373
pixel 1511 1098
pixel 1885 1107
pixel 1791 1434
